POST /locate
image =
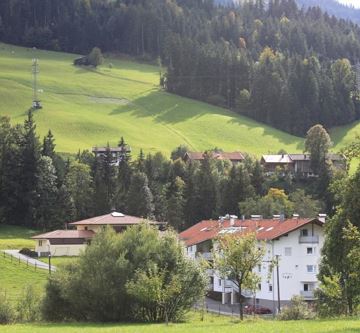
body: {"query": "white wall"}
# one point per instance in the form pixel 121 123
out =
pixel 292 269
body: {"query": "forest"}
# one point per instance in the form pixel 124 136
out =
pixel 288 67
pixel 42 189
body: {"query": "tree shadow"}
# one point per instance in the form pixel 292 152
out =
pixel 170 109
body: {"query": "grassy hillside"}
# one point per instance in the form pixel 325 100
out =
pixel 14 276
pixel 14 237
pixel 90 107
pixel 211 323
pixel 86 107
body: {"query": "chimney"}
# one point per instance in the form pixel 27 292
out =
pixel 243 217
pixel 282 217
pixel 322 217
pixel 256 217
pixel 232 220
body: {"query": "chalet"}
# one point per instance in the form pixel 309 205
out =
pixel 298 163
pixel 296 241
pixel 235 157
pixel 72 242
pixel 273 162
pixel 117 153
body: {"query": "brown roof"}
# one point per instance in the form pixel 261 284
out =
pixel 232 156
pixel 65 234
pixel 266 229
pixel 114 219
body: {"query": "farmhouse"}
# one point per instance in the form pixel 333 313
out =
pixel 72 242
pixel 117 153
pixel 235 157
pixel 296 241
pixel 298 163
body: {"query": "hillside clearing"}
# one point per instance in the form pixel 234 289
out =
pixel 15 237
pixel 88 107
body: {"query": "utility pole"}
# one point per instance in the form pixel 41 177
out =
pixel 35 70
pixel 278 282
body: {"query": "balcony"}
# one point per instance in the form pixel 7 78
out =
pixel 309 239
pixel 307 295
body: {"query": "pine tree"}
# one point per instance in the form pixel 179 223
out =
pixel 175 203
pixel 140 198
pixel 48 148
pixel 29 171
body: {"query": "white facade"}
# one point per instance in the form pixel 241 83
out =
pixel 56 250
pixel 299 254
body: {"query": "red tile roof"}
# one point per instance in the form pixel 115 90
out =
pixel 114 219
pixel 266 229
pixel 65 234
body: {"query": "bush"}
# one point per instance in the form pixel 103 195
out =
pixel 7 313
pixel 135 275
pixel 27 252
pixel 28 307
pixel 297 310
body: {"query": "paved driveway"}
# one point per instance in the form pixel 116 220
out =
pixel 31 261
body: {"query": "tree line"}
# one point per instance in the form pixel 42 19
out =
pixel 287 67
pixel 40 188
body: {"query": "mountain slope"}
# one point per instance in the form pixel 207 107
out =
pixel 335 8
pixel 85 108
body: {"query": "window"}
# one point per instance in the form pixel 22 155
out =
pixel 219 282
pixel 86 228
pixel 270 288
pixel 257 301
pixel 287 251
pixel 304 232
pixel 40 242
pixel 259 286
pixel 259 268
pixel 308 286
pixel 310 268
pixel 310 250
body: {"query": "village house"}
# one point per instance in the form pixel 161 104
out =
pixel 117 153
pixel 72 242
pixel 234 157
pixel 298 164
pixel 296 242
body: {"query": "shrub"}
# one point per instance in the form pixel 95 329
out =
pixel 329 297
pixel 7 313
pixel 297 310
pixel 27 252
pixel 28 307
pixel 135 275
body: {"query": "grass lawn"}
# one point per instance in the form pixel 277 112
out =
pixel 14 276
pixel 56 261
pixel 211 324
pixel 14 237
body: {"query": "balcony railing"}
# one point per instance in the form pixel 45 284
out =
pixel 309 239
pixel 307 294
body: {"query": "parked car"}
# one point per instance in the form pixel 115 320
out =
pixel 250 309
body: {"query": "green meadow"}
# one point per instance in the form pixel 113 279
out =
pixel 211 324
pixel 88 107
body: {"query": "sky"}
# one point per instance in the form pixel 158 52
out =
pixel 355 3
